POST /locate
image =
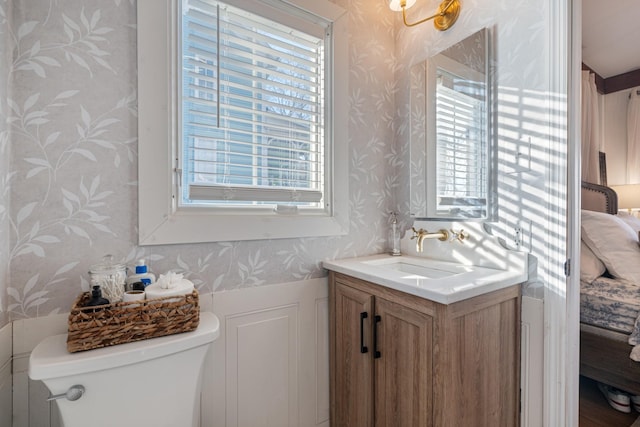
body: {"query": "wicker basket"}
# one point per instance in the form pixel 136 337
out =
pixel 119 323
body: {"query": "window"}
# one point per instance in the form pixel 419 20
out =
pixel 252 109
pixel 461 150
pixel 242 118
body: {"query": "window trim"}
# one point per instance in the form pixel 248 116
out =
pixel 159 219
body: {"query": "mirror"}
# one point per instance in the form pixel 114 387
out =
pixel 451 136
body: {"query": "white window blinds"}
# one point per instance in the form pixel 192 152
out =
pixel 253 110
pixel 461 154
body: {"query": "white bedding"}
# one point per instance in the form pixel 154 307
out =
pixel 611 303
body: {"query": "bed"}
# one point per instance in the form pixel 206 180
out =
pixel 610 305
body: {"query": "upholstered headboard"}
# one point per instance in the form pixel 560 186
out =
pixel 599 198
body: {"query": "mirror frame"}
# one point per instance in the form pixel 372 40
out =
pixel 423 162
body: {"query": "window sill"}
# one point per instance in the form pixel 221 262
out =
pixel 190 227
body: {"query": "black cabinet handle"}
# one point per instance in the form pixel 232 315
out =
pixel 363 348
pixel 376 352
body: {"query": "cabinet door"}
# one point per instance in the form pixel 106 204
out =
pixel 477 371
pixel 352 397
pixel 403 379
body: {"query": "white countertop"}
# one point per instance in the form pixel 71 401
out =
pixel 457 282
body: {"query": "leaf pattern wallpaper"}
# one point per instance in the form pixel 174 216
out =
pixel 68 108
pixel 68 145
pixel 5 58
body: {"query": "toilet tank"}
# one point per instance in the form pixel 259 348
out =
pixel 154 382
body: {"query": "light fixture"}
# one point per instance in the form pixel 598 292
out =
pixel 447 15
pixel 628 196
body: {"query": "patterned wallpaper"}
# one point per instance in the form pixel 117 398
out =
pixel 73 170
pixel 5 58
pixel 71 112
pixel 523 118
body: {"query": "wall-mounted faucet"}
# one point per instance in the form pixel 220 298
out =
pixel 420 235
pixel 442 235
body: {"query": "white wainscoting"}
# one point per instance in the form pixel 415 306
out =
pixel 5 375
pixel 30 407
pixel 269 367
pixel 532 345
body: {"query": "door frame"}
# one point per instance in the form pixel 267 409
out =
pixel 573 208
pixel 561 294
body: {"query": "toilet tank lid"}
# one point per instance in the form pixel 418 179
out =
pixel 50 358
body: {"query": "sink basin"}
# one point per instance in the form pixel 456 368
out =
pixel 440 281
pixel 417 268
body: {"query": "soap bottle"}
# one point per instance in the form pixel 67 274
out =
pixel 394 236
pixel 142 274
pixel 96 298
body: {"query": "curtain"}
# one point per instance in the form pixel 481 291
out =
pixel 633 138
pixel 590 128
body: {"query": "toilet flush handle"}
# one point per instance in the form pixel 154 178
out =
pixel 75 392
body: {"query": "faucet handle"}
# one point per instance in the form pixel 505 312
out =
pixel 416 233
pixel 459 236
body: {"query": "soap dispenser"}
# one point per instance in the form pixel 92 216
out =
pixel 97 298
pixel 394 236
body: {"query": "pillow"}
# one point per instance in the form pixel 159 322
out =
pixel 631 220
pixel 590 266
pixel 614 243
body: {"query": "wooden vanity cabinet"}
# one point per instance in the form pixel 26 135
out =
pixel 400 360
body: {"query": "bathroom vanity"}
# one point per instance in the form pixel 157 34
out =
pixel 435 340
pixel 400 357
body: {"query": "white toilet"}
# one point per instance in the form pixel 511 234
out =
pixel 154 382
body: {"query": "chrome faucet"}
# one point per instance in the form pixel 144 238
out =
pixel 442 235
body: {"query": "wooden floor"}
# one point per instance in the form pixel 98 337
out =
pixel 596 412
